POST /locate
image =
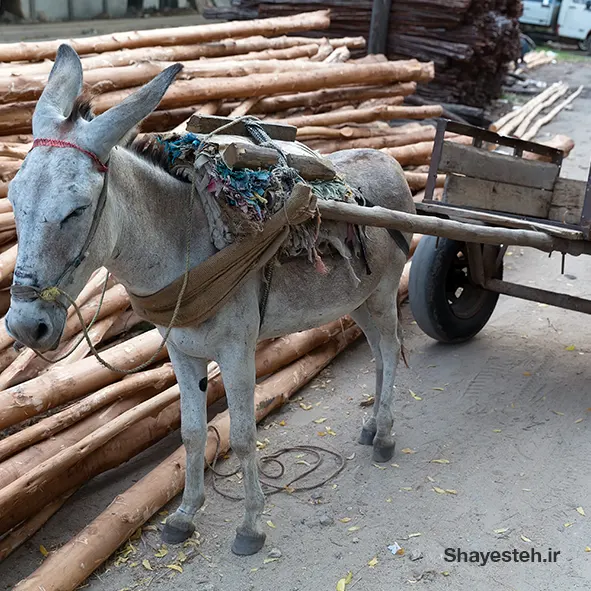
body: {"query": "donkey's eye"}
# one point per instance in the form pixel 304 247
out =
pixel 74 214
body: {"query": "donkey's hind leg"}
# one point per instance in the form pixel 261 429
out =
pixel 192 378
pixel 383 310
pixel 364 320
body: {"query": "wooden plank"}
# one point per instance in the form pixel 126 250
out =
pixel 492 166
pixel 564 215
pixel 247 155
pixel 567 201
pixel 205 124
pixel 469 215
pixel 569 193
pixel 493 196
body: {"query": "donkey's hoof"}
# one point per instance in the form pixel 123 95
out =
pixel 367 437
pixel 247 545
pixel 383 453
pixel 175 535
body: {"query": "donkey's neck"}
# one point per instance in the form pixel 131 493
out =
pixel 148 209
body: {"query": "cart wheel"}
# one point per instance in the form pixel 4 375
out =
pixel 445 303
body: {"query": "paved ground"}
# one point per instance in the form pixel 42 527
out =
pixel 510 411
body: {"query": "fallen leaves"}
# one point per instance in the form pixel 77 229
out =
pixel 175 567
pixel 581 511
pixel 445 491
pixel 271 524
pixel 320 421
pixel 43 550
pixel 570 348
pixel 526 539
pixel 414 395
pixel 497 430
pixel 345 519
pixel 501 530
pixel 344 581
pixel 161 553
pixel 305 406
pixel 587 548
pixel 353 528
pixel 557 412
pixel 373 562
pixel 440 461
pixel 407 450
pixel 569 524
pixel 146 564
pixel 367 402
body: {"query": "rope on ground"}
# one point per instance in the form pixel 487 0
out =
pixel 314 450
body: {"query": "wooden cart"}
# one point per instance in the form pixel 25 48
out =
pixel 492 199
pixel 455 284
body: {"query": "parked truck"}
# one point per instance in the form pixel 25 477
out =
pixel 559 19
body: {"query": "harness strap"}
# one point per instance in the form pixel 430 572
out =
pixel 396 235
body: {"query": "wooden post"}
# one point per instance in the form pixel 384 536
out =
pixel 378 30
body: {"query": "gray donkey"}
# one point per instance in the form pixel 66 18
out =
pixel 79 181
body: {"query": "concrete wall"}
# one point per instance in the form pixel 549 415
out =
pixel 83 9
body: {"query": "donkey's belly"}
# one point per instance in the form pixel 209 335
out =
pixel 301 297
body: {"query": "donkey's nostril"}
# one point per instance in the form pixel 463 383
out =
pixel 42 330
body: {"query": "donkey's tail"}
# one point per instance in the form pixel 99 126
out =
pixel 400 333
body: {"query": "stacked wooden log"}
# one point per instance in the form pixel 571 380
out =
pixel 471 42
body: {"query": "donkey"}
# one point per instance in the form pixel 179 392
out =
pixel 80 181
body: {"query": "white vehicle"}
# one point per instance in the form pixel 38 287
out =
pixel 566 19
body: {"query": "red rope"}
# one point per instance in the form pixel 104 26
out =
pixel 63 144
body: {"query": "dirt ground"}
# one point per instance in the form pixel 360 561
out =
pixel 510 411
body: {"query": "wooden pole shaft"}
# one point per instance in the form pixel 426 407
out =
pixel 407 222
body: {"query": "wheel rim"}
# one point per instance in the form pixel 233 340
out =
pixel 464 298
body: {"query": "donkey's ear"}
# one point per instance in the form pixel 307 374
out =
pixel 63 86
pixel 107 130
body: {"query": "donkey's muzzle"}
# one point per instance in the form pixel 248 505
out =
pixel 36 324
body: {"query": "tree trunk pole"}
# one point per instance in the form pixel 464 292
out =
pixel 378 29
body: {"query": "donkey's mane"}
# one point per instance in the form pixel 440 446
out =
pixel 82 108
pixel 153 149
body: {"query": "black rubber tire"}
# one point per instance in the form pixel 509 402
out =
pixel 439 268
pixel 585 45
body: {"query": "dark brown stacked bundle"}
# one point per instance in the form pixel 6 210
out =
pixel 470 41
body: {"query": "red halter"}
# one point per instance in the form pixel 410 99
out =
pixel 63 144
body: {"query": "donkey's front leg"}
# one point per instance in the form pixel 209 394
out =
pixel 191 375
pixel 238 371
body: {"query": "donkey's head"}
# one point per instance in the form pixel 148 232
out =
pixel 59 194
